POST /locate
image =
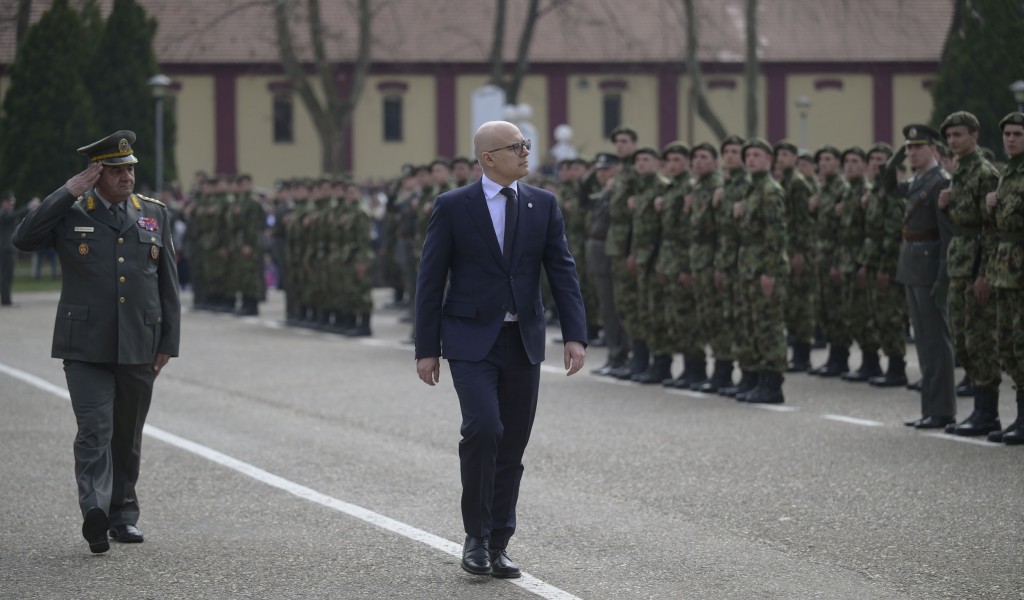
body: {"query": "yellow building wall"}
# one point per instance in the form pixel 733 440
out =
pixel 912 102
pixel 534 92
pixel 728 104
pixel 842 118
pixel 195 113
pixel 371 155
pixel 639 110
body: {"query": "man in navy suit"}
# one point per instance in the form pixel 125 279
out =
pixel 488 242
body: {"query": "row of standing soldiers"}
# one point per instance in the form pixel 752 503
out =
pixel 678 255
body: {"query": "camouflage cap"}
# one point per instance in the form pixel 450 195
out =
pixel 960 117
pixel 707 147
pixel 732 140
pixel 916 133
pixel 756 142
pixel 882 147
pixel 828 149
pixel 113 150
pixel 1014 118
pixel 785 145
pixel 676 147
pixel 857 150
pixel 646 150
pixel 622 129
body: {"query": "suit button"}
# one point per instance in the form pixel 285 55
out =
pixel 119 240
pixel 122 279
pixel 69 314
pixel 83 235
pixel 159 319
pixel 121 300
pixel 152 239
pixel 120 259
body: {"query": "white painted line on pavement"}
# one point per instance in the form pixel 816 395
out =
pixel 782 408
pixel 960 438
pixel 688 393
pixel 527 581
pixel 853 420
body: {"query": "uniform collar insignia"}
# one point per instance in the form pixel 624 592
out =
pixel 90 203
pixel 135 201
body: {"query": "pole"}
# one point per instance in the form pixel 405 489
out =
pixel 159 146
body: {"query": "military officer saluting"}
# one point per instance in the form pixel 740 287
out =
pixel 117 323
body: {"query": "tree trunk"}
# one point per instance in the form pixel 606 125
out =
pixel 699 89
pixel 497 45
pixel 21 21
pixel 523 54
pixel 751 69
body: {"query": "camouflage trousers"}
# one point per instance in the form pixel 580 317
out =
pixel 722 339
pixel 763 327
pixel 858 317
pixel 889 307
pixel 587 287
pixel 247 274
pixel 802 293
pixel 215 272
pixel 357 297
pixel 711 316
pixel 682 331
pixel 652 314
pixel 737 324
pixel 624 290
pixel 973 329
pixel 1010 327
pixel 829 311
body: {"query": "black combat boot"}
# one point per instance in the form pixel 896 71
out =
pixel 984 419
pixel 698 371
pixel 741 396
pixel 659 370
pixel 748 381
pixel 869 367
pixel 965 389
pixel 248 308
pixel 768 391
pixel 895 376
pixel 721 378
pixel 838 364
pixel 829 361
pixel 360 326
pixel 801 362
pixel 1013 435
pixel 637 364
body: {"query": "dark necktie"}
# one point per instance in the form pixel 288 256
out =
pixel 118 214
pixel 511 218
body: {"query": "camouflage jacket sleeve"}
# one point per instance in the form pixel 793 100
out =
pixel 702 224
pixel 870 249
pixel 799 222
pixel 988 182
pixel 763 231
pixel 727 230
pixel 673 257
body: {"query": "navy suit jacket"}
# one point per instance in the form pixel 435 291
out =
pixel 461 248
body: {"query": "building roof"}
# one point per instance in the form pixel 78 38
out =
pixel 573 31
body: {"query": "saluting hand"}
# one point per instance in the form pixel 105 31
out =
pixel 83 182
pixel 944 199
pixel 575 355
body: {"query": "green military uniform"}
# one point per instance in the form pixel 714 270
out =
pixel 971 325
pixel 119 309
pixel 829 315
pixel 618 247
pixel 1005 271
pixel 246 221
pixel 762 252
pixel 574 212
pixel 356 260
pixel 730 343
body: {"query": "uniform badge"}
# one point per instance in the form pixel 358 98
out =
pixel 123 146
pixel 83 249
pixel 85 229
pixel 912 133
pixel 149 223
pixel 135 201
pixel 154 251
pixel 90 204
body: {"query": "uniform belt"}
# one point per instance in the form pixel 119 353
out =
pixel 920 235
pixel 1010 236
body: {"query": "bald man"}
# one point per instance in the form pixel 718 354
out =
pixel 488 241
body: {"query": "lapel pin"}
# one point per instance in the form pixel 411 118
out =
pixel 529 205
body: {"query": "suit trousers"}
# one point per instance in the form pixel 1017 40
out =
pixel 934 352
pixel 6 274
pixel 111 402
pixel 600 268
pixel 498 398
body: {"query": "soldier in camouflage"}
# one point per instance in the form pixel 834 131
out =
pixel 729 343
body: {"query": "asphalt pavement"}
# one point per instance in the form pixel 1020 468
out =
pixel 284 463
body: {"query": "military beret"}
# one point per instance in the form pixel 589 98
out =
pixel 732 140
pixel 707 147
pixel 960 117
pixel 882 147
pixel 920 134
pixel 785 145
pixel 855 150
pixel 113 150
pixel 828 149
pixel 1014 118
pixel 646 150
pixel 676 147
pixel 606 160
pixel 756 143
pixel 622 129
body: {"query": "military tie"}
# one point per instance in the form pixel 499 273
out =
pixel 511 219
pixel 117 211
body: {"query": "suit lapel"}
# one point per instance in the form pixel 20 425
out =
pixel 98 212
pixel 131 215
pixel 481 217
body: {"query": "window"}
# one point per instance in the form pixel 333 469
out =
pixel 612 111
pixel 392 118
pixel 284 130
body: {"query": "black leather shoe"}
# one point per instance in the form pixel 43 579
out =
pixel 603 371
pixel 476 556
pixel 914 386
pixel 94 530
pixel 126 534
pixel 978 424
pixel 502 566
pixel 965 389
pixel 913 422
pixel 933 422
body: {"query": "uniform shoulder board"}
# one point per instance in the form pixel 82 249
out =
pixel 153 200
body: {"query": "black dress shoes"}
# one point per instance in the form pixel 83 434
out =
pixel 94 530
pixel 502 566
pixel 914 386
pixel 476 557
pixel 126 534
pixel 931 422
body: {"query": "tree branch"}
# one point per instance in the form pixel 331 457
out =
pixel 497 44
pixel 704 110
pixel 292 67
pixel 523 52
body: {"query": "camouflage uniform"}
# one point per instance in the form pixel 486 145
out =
pixel 708 307
pixel 576 227
pixel 618 247
pixel 356 259
pixel 830 298
pixel 644 250
pixel 729 343
pixel 855 309
pixel 802 287
pixel 246 220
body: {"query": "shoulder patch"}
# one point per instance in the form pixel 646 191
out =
pixel 153 200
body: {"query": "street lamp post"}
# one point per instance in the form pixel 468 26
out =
pixel 1017 87
pixel 159 83
pixel 803 103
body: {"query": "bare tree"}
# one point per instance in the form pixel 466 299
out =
pixel 333 114
pixel 21 22
pixel 513 82
pixel 751 68
pixel 698 87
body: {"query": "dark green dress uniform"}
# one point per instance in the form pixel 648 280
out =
pixel 119 308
